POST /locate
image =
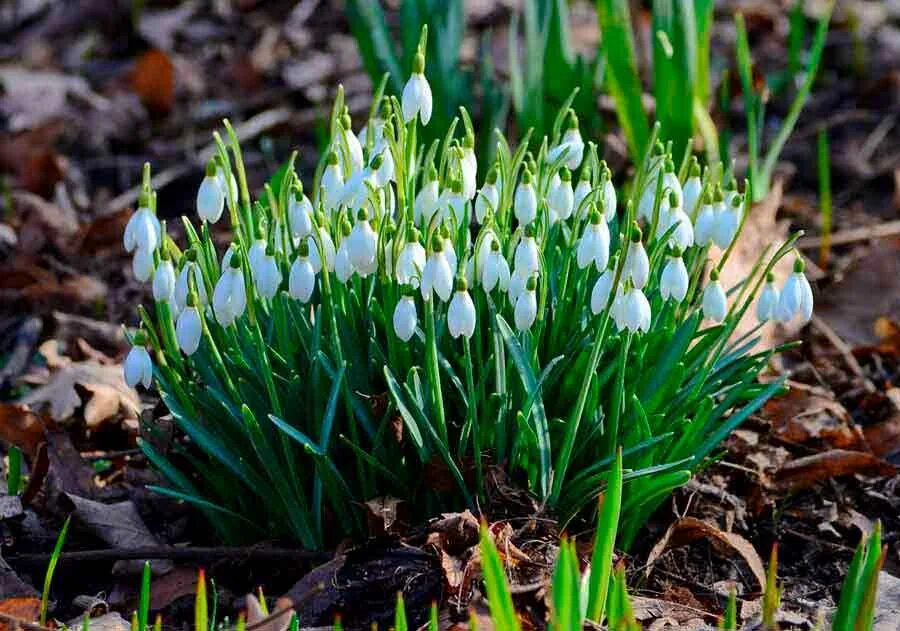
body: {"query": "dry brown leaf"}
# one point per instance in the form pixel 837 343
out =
pixel 278 620
pixel 27 608
pixel 109 394
pixel 153 80
pixel 386 515
pixel 806 472
pixel 689 529
pixel 21 427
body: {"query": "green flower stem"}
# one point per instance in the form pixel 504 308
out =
pixel 472 415
pixel 433 370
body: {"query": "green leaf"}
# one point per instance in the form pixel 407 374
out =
pixel 604 542
pixel 503 612
pixel 51 570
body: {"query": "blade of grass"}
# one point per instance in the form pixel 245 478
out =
pixel 503 613
pixel 51 569
pixel 604 541
pixel 824 164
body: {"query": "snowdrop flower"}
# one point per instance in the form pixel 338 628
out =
pixel 164 280
pixel 227 182
pixel 438 274
pixel 727 222
pixel 461 313
pixel 796 296
pixel 427 198
pixel 561 197
pixel 405 318
pixel 580 206
pixel 651 182
pixel 673 215
pixel 300 214
pixel 594 244
pixel 674 281
pixel 517 282
pixel 382 165
pixel 142 265
pixel 525 202
pixel 705 224
pixel 526 305
pixel 267 275
pixel 496 270
pixel 692 189
pixel 189 328
pixel 211 195
pixel 527 258
pixel 637 265
pixel 302 278
pixel 190 275
pixel 767 305
pixel 138 367
pixel 601 290
pixel 715 304
pixel 332 183
pixel 230 295
pixel 449 250
pixel 454 202
pixel 488 197
pixel 257 252
pixel 608 195
pixel 416 98
pixel 469 166
pixel 327 252
pixel 353 146
pixel 672 185
pixel 362 242
pixel 143 231
pixel 571 144
pixel 411 260
pixel 355 193
pixel 343 266
pixel 634 311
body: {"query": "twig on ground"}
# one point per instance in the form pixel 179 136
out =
pixel 878 231
pixel 247 554
pixel 841 346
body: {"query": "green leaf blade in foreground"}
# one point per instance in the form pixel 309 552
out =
pixel 503 612
pixel 604 541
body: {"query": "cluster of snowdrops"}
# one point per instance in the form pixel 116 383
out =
pixel 398 271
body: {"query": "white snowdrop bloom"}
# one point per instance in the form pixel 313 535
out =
pixel 211 195
pixel 561 197
pixel 705 224
pixel 453 202
pixel 188 330
pixel 594 244
pixel 138 366
pixel 600 292
pixel 230 295
pixel 411 261
pixel 469 167
pixel 526 305
pixel 227 182
pixel 608 195
pixel 617 311
pixel 692 189
pixel 353 146
pixel 496 270
pixel 328 252
pixel 517 282
pixel 767 305
pixel 673 215
pixel 571 144
pixel 343 268
pixel 302 278
pixel 635 311
pixel 488 197
pixel 416 98
pixel 427 199
pixel 267 275
pixel 190 271
pixel 525 202
pixel 796 296
pixel 355 193
pixel 637 265
pixel 362 243
pixel 648 196
pixel 450 251
pixel 143 231
pixel 672 185
pixel 485 247
pixel 382 165
pixel 527 259
pixel 256 254
pixel 674 281
pixel 727 222
pixel 142 264
pixel 438 274
pixel 331 186
pixel 715 304
pixel 581 205
pixel 164 281
pixel 405 318
pixel 461 312
pixel 300 214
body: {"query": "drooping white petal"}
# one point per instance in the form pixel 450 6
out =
pixel 767 306
pixel 691 194
pixel 438 277
pixel 328 251
pixel 674 281
pixel 300 217
pixel 138 367
pixel 267 277
pixel 637 265
pixel 715 304
pixel 188 330
pixel 164 281
pixel 416 98
pixel 636 311
pixel 362 245
pixel 461 315
pixel 609 200
pixel 405 318
pixel 561 199
pixel 426 203
pixel 600 292
pixel 525 203
pixel 487 198
pixel 210 199
pixel 526 310
pixel 142 265
pixel 343 268
pixel 527 258
pixel 411 264
pixel 302 279
pixel 229 297
pixel 705 225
